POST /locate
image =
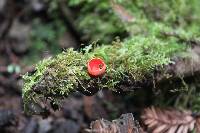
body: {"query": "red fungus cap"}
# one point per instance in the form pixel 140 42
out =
pixel 96 67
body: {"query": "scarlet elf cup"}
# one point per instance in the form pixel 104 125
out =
pixel 96 67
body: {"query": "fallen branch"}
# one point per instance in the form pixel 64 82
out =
pixel 130 65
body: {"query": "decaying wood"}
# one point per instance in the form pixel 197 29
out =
pixel 170 121
pixel 124 124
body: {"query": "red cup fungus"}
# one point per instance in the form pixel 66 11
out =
pixel 96 67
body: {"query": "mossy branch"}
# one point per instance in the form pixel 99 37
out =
pixel 128 63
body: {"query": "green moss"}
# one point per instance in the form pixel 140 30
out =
pixel 33 79
pixel 30 80
pixel 54 77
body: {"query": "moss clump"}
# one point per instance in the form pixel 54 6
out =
pixel 56 77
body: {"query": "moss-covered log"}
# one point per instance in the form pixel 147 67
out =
pixel 129 64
